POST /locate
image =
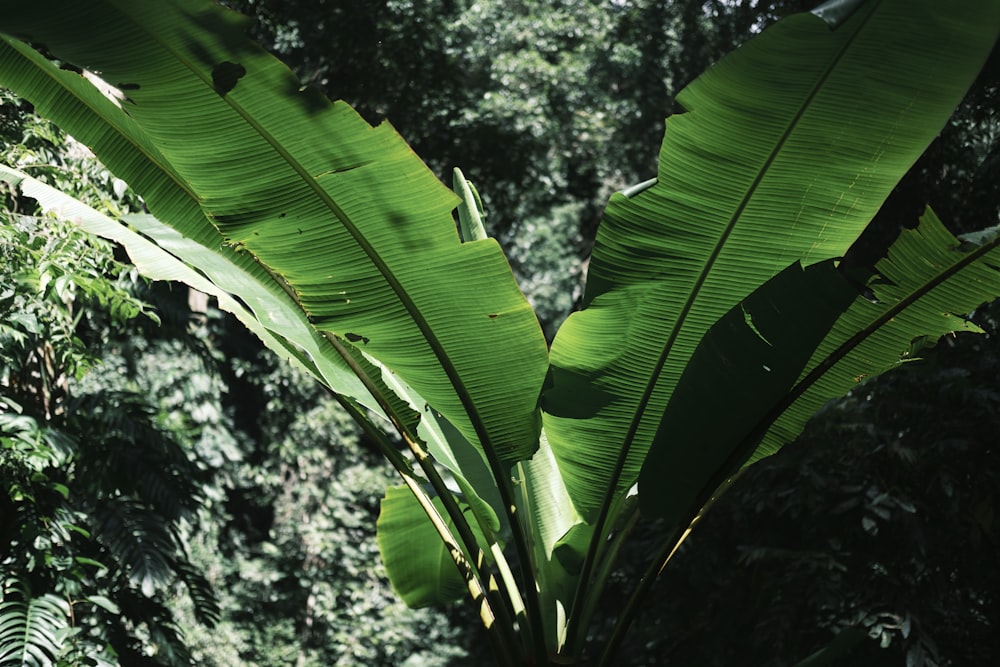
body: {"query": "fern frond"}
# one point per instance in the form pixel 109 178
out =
pixel 128 450
pixel 141 543
pixel 206 605
pixel 31 628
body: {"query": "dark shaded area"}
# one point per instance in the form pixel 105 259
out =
pixel 225 75
pixel 882 516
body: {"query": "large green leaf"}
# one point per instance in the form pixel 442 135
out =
pixel 343 215
pixel 191 239
pixel 785 152
pixel 162 261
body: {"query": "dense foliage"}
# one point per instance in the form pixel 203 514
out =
pixel 98 495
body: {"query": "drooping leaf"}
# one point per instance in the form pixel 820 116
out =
pixel 511 415
pixel 447 446
pixel 343 215
pixel 922 291
pixel 161 261
pixel 774 161
pixel 471 472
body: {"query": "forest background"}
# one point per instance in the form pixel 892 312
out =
pixel 206 504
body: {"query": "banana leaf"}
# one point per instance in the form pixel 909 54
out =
pixel 773 161
pixel 746 363
pixel 921 291
pixel 339 216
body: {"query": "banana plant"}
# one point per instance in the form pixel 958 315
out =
pixel 716 319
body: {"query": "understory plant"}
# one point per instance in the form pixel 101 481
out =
pixel 716 319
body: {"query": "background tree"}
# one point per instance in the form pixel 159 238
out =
pixel 98 495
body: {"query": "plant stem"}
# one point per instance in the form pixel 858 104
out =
pixel 638 595
pixel 600 578
pixel 532 616
pixel 575 631
pixel 494 616
pixel 499 614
